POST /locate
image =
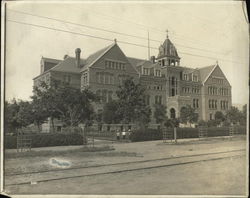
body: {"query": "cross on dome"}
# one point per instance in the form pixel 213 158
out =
pixel 167 33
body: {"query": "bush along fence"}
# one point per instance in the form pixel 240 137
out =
pixel 80 138
pixel 182 133
pixel 47 140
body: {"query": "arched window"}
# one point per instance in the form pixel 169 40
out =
pixel 172 113
pixel 173 92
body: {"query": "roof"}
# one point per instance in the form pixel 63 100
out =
pixel 68 65
pixel 135 61
pixel 51 60
pixel 95 56
pixel 205 72
pixel 168 49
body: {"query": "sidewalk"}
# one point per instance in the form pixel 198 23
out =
pixel 106 142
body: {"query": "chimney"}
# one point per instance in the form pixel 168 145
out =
pixel 152 59
pixel 78 58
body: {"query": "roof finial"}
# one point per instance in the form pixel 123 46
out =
pixel 217 62
pixel 167 33
pixel 115 40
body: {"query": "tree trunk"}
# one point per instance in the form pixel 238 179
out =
pixel 38 127
pixel 53 125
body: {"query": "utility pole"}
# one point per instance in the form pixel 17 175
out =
pixel 148 47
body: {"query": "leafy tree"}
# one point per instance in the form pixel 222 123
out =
pixel 233 115
pixel 160 113
pixel 171 123
pixel 202 123
pixel 45 97
pixel 11 121
pixel 212 123
pixel 187 114
pixel 20 114
pixel 219 117
pixel 110 113
pixel 243 118
pixel 38 112
pixel 71 105
pixel 132 107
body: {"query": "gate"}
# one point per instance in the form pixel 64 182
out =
pixel 232 131
pixel 23 142
pixel 203 132
pixel 167 135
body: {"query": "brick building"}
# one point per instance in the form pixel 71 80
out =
pixel 206 89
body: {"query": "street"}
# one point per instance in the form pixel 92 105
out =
pixel 215 167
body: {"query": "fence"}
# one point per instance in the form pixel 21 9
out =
pixel 23 142
pixel 203 132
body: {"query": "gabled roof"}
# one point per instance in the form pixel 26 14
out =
pixel 205 72
pixel 68 65
pixel 96 56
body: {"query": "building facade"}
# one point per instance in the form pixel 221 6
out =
pixel 206 89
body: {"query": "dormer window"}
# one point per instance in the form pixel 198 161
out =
pixel 146 71
pixel 195 78
pixel 185 77
pixel 158 72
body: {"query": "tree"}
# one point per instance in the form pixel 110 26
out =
pixel 39 112
pixel 21 113
pixel 160 113
pixel 110 113
pixel 202 123
pixel 243 118
pixel 11 121
pixel 187 114
pixel 171 123
pixel 71 105
pixel 219 117
pixel 233 115
pixel 132 107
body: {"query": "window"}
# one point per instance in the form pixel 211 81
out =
pixel 173 80
pixel 84 78
pixel 147 99
pixel 156 99
pixel 110 93
pixel 158 73
pixel 211 116
pixel 173 92
pixel 145 71
pixel 67 78
pixel 160 99
pixel 195 78
pixel 104 96
pixel 185 77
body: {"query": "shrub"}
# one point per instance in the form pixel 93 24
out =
pixel 145 135
pixel 46 140
pixel 155 134
pixel 187 133
pixel 241 129
pixel 217 131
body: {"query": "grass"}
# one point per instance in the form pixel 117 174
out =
pixel 78 151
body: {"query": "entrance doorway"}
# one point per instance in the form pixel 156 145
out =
pixel 172 113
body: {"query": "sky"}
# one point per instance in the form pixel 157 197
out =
pixel 203 33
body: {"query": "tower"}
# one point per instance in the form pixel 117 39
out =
pixel 168 55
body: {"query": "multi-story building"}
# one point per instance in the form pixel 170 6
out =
pixel 206 89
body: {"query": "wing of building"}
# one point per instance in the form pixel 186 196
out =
pixel 206 89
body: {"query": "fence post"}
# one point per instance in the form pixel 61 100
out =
pixel 175 134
